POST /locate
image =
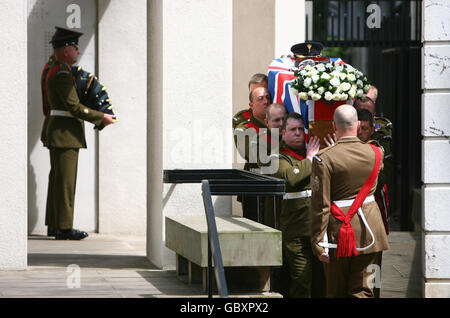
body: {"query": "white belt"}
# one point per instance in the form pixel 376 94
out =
pixel 297 195
pixel 62 113
pixel 346 203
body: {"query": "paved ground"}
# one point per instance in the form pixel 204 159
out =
pixel 116 266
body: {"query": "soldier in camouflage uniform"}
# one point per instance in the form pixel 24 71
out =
pixel 382 134
pixel 257 80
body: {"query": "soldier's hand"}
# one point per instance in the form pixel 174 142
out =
pixel 313 147
pixel 324 258
pixel 108 119
pixel 330 140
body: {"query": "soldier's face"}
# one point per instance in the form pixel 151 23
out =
pixel 294 134
pixel 365 131
pixel 260 101
pixel 276 117
pixel 72 54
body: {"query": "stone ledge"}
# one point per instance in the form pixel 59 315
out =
pixel 242 242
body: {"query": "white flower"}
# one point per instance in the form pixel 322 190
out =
pixel 294 91
pixel 344 96
pixel 307 82
pixel 320 90
pixel 345 86
pixel 320 67
pixel 366 88
pixel 352 93
pixel 303 96
pixel 328 96
pixel 336 97
pixel 343 76
pixel 329 66
pixel 335 73
pixel 315 78
pixel 335 81
pixel 359 83
pixel 359 93
pixel 325 76
pixel 311 93
pixel 308 67
pixel 316 97
pixel 351 77
pixel 350 68
pixel 339 68
pixel 303 73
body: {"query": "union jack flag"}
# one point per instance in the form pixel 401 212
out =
pixel 280 76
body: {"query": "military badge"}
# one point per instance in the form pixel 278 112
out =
pixel 315 183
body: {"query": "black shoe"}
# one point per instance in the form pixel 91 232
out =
pixel 50 231
pixel 71 234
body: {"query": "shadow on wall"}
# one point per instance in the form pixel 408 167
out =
pixel 43 16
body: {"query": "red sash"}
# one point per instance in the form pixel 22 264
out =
pixel 346 238
pixel 252 125
pixel 291 153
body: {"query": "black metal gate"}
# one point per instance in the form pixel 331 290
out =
pixel 390 32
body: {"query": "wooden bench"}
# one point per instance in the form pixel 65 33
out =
pixel 249 249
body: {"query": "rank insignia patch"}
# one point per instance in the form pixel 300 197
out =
pixel 315 183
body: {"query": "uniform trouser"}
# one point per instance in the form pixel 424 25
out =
pixel 298 256
pixel 351 277
pixel 61 188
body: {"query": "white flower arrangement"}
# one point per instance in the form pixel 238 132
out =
pixel 331 82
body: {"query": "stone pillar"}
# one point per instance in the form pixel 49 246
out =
pixel 436 147
pixel 122 68
pixel 189 107
pixel 13 170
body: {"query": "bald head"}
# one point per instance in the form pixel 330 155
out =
pixel 346 121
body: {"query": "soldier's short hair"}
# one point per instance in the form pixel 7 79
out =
pixel 257 78
pixel 365 115
pixel 272 106
pixel 292 115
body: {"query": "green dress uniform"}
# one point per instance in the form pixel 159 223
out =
pixel 241 117
pixel 295 220
pixel 63 134
pixel 251 129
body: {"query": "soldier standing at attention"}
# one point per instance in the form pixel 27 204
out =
pixel 347 232
pixel 257 80
pixel 63 133
pixel 295 168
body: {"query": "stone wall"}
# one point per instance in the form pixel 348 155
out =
pixel 436 147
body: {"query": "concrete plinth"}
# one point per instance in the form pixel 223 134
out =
pixel 247 247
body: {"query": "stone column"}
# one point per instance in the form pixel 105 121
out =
pixel 122 68
pixel 189 107
pixel 436 147
pixel 13 148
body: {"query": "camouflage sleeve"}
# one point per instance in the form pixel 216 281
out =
pixel 66 89
pixel 320 204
